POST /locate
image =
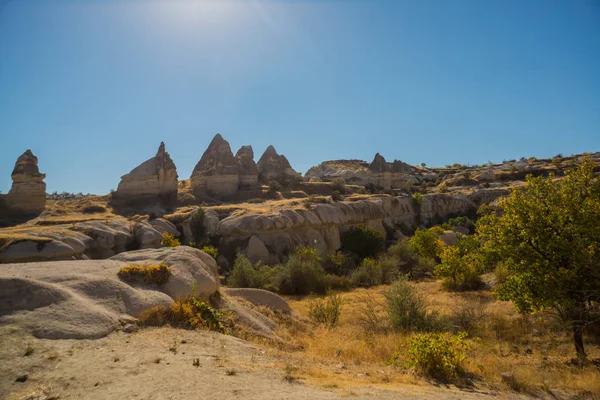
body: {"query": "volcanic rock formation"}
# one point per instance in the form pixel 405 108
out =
pixel 154 178
pixel 27 195
pixel 217 171
pixel 275 167
pixel 382 175
pixel 248 171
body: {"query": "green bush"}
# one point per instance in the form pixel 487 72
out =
pixel 170 240
pixel 246 275
pixel 406 256
pixel 336 196
pixel 438 356
pixel 149 274
pixel 363 241
pixel 211 251
pixel 274 186
pixel 326 311
pixel 367 274
pixel 407 309
pixel 459 265
pixel 339 264
pixel 426 242
pixel 301 276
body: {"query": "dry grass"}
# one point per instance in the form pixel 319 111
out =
pixel 150 274
pixel 529 347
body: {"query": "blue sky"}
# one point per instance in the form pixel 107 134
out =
pixel 93 87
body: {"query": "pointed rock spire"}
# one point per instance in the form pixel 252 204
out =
pixel 28 192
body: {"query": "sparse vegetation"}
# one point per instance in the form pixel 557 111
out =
pixel 211 251
pixel 326 311
pixel 149 274
pixel 170 240
pixel 438 355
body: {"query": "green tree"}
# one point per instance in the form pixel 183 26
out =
pixel 459 265
pixel 549 243
pixel 426 242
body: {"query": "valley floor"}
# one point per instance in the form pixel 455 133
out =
pixel 158 363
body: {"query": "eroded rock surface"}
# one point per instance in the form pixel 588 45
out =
pixel 217 171
pixel 154 178
pixel 86 299
pixel 27 195
pixel 275 167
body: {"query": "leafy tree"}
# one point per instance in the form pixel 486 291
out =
pixel 549 243
pixel 459 265
pixel 426 242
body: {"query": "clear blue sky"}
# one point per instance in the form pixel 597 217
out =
pixel 92 87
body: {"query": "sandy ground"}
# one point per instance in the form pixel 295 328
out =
pixel 158 363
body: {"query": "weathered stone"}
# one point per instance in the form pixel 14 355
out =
pixel 381 172
pixel 275 167
pixel 247 169
pixel 146 236
pixel 256 250
pixel 217 171
pixel 29 250
pixel 27 195
pixel 163 226
pixel 154 178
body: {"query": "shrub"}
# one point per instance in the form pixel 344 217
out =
pixel 189 313
pixel 406 256
pixel 301 276
pixel 339 185
pixel 170 240
pixel 388 267
pixel 150 274
pixel 458 265
pixel 313 198
pixel 425 267
pixel 438 356
pixel 335 282
pixel 407 309
pixel 339 264
pixel 211 251
pixel 243 274
pixel 326 311
pixel 426 242
pixel 363 241
pixel 468 316
pixel 197 225
pixel 367 274
pixel 274 186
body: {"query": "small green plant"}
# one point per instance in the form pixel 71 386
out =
pixel 149 274
pixel 211 251
pixel 157 360
pixel 367 274
pixel 326 311
pixel 230 372
pixel 189 312
pixel 173 348
pixel 439 356
pixel 170 240
pixel 196 362
pixel 29 351
pixel 426 242
pixel 301 275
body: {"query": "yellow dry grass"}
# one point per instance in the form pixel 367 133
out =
pixel 538 356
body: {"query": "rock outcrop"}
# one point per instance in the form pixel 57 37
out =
pixel 382 174
pixel 86 299
pixel 247 168
pixel 155 178
pixel 217 171
pixel 275 167
pixel 27 195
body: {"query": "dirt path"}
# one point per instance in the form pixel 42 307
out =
pixel 158 363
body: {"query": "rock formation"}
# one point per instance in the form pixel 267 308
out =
pixel 27 195
pixel 382 174
pixel 154 178
pixel 275 167
pixel 217 171
pixel 247 169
